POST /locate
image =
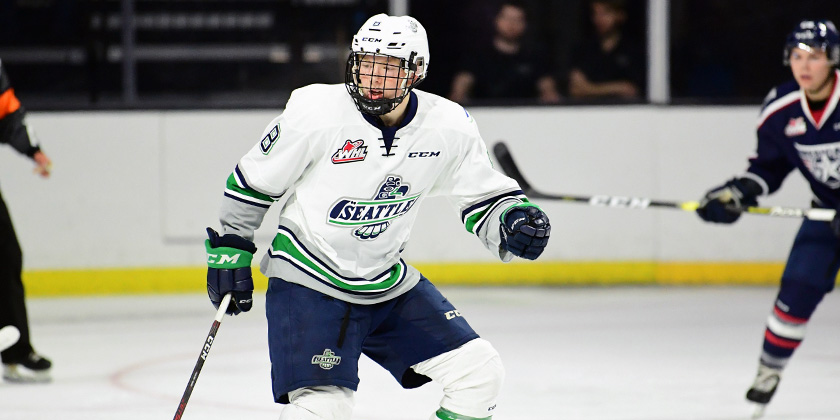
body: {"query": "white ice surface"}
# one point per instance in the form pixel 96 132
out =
pixel 570 353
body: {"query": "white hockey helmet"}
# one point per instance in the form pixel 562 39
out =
pixel 402 37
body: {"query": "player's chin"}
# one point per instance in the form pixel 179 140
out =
pixel 806 82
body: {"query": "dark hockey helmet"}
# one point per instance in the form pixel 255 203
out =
pixel 401 37
pixel 814 34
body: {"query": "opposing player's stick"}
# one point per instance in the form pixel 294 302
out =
pixel 9 335
pixel 505 160
pixel 205 350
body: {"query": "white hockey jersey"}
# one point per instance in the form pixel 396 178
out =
pixel 355 188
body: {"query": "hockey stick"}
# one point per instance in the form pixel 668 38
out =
pixel 9 335
pixel 208 342
pixel 505 160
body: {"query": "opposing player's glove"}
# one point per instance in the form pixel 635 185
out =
pixel 229 270
pixel 525 230
pixel 725 203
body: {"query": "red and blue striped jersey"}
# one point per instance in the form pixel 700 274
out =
pixel 792 136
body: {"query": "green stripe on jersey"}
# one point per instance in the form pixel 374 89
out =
pixel 473 220
pixel 283 243
pixel 233 186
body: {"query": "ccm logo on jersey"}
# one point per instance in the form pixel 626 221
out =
pixel 796 127
pixel 424 154
pixel 352 151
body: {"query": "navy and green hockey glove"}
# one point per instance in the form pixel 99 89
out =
pixel 229 270
pixel 525 230
pixel 725 203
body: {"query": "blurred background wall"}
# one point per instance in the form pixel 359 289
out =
pixel 135 189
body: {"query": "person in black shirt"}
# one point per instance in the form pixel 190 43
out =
pixel 505 69
pixel 609 65
pixel 20 362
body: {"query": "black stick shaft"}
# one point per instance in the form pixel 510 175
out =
pixel 510 168
pixel 202 357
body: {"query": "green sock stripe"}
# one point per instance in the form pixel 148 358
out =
pixel 445 414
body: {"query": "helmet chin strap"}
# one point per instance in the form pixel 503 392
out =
pixel 379 106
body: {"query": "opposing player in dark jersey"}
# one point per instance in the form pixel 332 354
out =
pixel 799 128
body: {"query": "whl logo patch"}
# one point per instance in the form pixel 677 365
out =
pixel 352 151
pixel 326 361
pixel 796 127
pixel 373 216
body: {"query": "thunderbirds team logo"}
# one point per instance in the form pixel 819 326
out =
pixel 373 216
pixel 352 151
pixel 327 361
pixel 823 161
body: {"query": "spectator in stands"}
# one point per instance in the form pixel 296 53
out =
pixel 505 69
pixel 610 64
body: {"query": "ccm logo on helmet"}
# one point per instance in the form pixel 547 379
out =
pixel 372 39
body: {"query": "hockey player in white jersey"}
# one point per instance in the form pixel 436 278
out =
pixel 355 169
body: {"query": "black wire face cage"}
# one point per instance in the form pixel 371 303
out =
pixel 386 83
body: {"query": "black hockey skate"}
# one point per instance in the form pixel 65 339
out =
pixel 762 390
pixel 34 368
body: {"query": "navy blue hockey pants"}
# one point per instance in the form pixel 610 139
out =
pixel 316 340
